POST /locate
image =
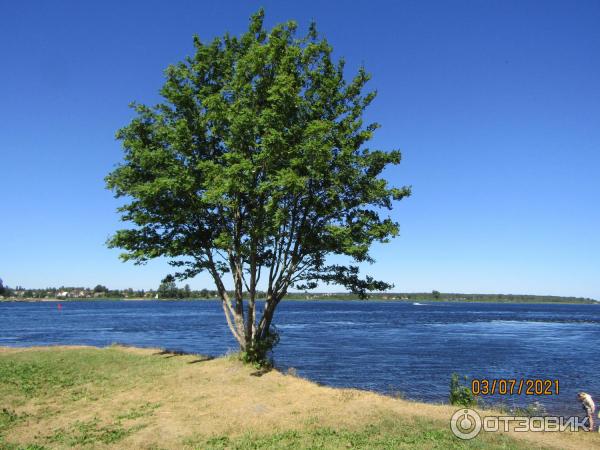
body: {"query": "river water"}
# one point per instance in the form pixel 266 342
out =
pixel 389 347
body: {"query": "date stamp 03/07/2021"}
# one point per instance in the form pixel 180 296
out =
pixel 514 386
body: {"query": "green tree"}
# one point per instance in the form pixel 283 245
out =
pixel 436 294
pixel 99 288
pixel 2 288
pixel 167 289
pixel 254 165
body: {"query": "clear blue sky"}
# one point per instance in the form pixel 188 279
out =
pixel 495 105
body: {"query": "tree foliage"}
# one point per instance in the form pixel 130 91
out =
pixel 168 289
pixel 100 288
pixel 254 164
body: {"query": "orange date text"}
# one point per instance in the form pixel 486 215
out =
pixel 513 386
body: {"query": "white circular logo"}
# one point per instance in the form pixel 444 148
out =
pixel 465 424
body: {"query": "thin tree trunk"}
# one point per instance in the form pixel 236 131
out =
pixel 228 309
pixel 251 316
pixel 267 318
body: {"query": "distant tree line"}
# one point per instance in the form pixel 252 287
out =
pixel 165 290
pixel 445 297
pixel 169 290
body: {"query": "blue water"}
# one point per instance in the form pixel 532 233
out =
pixel 383 346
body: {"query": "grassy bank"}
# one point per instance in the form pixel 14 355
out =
pixel 61 397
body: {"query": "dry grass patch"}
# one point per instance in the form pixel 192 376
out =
pixel 122 397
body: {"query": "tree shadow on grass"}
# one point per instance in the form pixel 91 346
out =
pixel 261 372
pixel 172 353
pixel 202 359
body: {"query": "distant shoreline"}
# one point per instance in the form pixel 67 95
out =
pixel 320 299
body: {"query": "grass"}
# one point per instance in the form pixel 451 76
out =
pixel 119 397
pixel 387 434
pixel 91 432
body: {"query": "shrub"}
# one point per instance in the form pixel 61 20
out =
pixel 260 352
pixel 461 394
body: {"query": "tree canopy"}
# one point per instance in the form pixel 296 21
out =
pixel 254 164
